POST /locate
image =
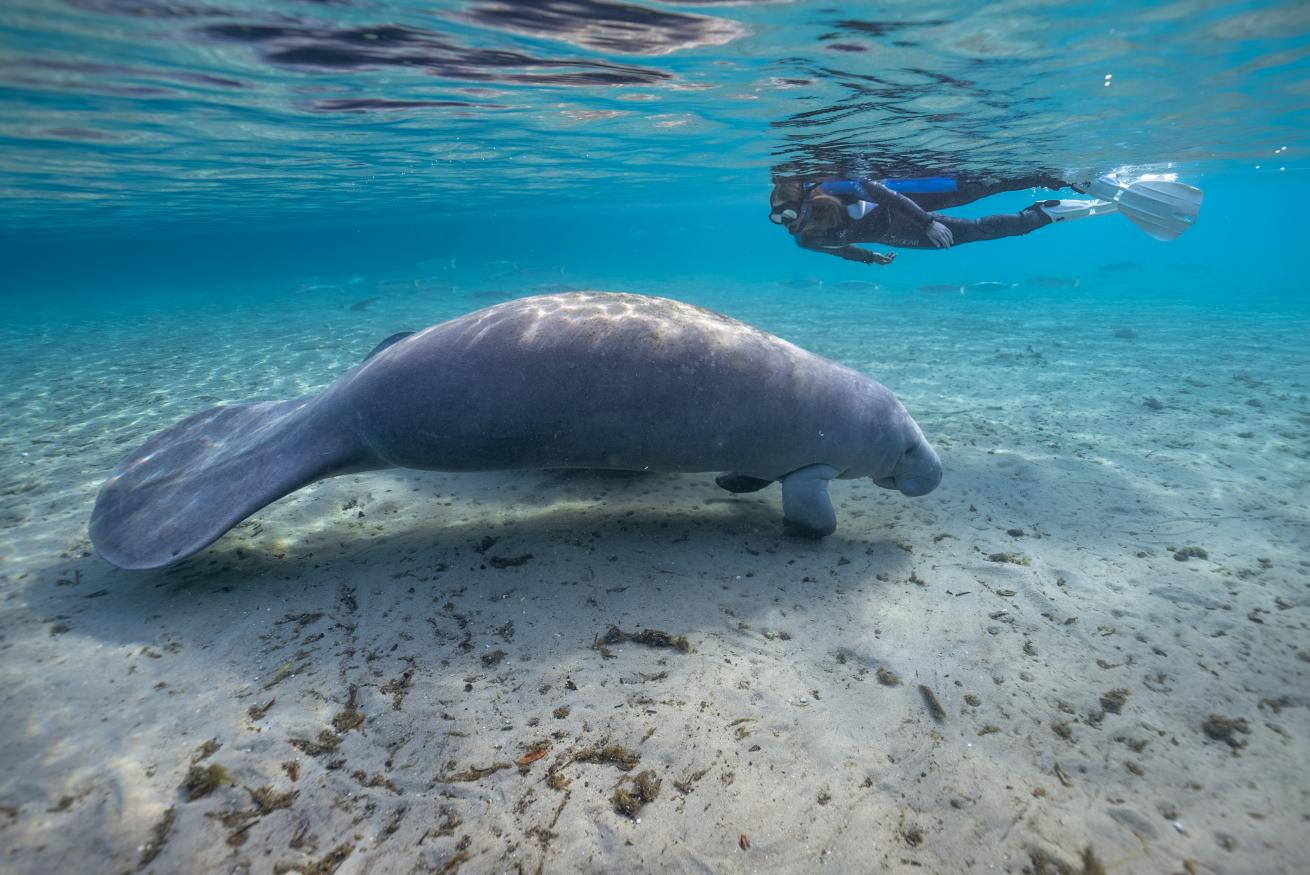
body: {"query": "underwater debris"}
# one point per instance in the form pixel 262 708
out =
pixel 740 725
pixel 616 755
pixel 646 788
pixel 1276 705
pixel 397 687
pixel 1225 729
pixel 239 822
pixel 1012 558
pixel 206 750
pixel 328 864
pixel 743 842
pixel 493 659
pixel 267 800
pixel 1113 701
pixel 1045 864
pixel 257 712
pixel 285 671
pixel 471 774
pixel 561 712
pixel 649 637
pixel 1182 554
pixel 351 717
pixel 687 784
pixel 508 561
pixel 301 620
pixel 887 677
pixel 450 821
pixel 158 837
pixel 534 753
pixel 203 780
pixel 327 742
pixel 378 780
pixel 1062 775
pixel 934 707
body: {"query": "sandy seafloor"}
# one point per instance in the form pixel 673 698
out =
pixel 366 617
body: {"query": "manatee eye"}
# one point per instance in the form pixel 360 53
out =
pixel 910 450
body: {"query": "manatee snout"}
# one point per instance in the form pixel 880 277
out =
pixel 918 471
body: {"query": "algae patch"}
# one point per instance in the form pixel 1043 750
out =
pixel 1011 558
pixel 645 788
pixel 649 637
pixel 203 780
pixel 327 742
pixel 1225 729
pixel 612 754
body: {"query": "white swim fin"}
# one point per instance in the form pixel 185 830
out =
pixel 1162 208
pixel 1068 210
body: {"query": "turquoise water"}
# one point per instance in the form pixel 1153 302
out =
pixel 211 202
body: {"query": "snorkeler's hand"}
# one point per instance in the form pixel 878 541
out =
pixel 940 235
pixel 882 257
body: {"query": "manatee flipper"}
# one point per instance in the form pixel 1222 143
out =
pixel 187 485
pixel 740 482
pixel 806 508
pixel 390 341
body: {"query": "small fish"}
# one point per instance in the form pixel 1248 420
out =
pixel 989 286
pixel 940 289
pixel 363 305
pixel 1119 266
pixel 1052 282
pixel 438 264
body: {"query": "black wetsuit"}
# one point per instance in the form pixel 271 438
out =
pixel 902 221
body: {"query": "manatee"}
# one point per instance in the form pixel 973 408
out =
pixel 581 380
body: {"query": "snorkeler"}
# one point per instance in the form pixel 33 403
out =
pixel 833 214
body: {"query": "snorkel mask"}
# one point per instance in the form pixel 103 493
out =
pixel 783 217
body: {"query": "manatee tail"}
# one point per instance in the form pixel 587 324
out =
pixel 189 484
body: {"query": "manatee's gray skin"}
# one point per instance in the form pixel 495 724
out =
pixel 582 380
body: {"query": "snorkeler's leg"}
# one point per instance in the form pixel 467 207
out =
pixel 1032 180
pixel 969 190
pixel 994 227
